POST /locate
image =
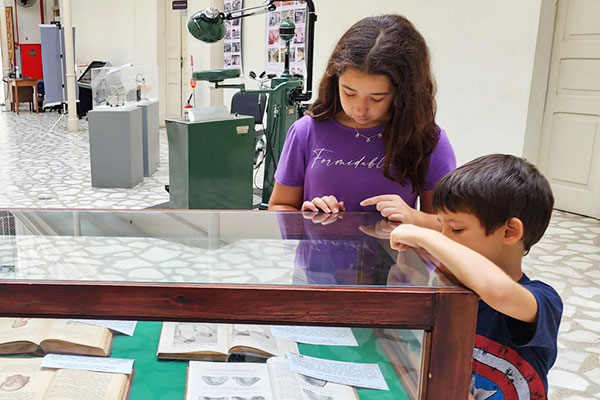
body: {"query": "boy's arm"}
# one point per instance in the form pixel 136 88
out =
pixel 473 270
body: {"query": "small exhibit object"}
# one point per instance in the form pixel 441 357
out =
pixel 84 83
pixel 206 341
pixel 26 379
pixel 116 86
pixel 271 381
pixel 41 336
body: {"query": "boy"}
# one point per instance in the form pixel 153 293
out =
pixel 492 210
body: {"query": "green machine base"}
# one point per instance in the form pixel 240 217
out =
pixel 210 163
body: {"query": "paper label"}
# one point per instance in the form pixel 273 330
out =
pixel 242 130
pixel 320 335
pixel 347 373
pixel 100 364
pixel 124 327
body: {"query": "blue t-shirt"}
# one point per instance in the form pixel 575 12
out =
pixel 511 358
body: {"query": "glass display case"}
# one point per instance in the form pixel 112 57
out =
pixel 244 267
pixel 116 86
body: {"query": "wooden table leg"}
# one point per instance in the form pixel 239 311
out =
pixel 17 99
pixel 35 97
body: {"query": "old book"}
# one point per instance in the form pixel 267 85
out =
pixel 24 379
pixel 217 342
pixel 41 336
pixel 272 380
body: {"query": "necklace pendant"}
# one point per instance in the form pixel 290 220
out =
pixel 368 140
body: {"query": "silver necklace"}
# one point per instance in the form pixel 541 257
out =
pixel 367 138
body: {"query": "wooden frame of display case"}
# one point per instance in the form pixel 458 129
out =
pixel 448 315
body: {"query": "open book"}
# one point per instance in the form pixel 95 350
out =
pixel 259 381
pixel 40 336
pixel 24 379
pixel 215 342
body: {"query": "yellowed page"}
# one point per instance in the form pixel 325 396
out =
pixel 76 333
pixel 177 338
pixel 73 384
pixel 213 380
pixel 23 329
pixel 287 384
pixel 259 337
pixel 23 379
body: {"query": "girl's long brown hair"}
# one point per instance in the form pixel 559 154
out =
pixel 390 45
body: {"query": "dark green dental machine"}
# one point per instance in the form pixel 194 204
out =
pixel 211 160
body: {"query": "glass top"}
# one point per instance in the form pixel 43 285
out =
pixel 215 247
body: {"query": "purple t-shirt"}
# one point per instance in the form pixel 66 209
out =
pixel 326 158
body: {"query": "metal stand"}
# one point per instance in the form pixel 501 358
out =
pixel 64 112
pixel 63 103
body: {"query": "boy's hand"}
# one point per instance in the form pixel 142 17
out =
pixel 326 204
pixel 406 235
pixel 392 207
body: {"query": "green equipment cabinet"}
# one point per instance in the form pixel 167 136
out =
pixel 210 163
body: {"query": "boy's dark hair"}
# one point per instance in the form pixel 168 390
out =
pixel 389 45
pixel 496 188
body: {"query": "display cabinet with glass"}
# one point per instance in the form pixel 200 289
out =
pixel 116 86
pixel 271 269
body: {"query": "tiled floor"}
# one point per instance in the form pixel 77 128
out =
pixel 46 169
pixel 568 258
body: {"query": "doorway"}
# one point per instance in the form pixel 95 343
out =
pixel 569 152
pixel 175 24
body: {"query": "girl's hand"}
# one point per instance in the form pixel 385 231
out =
pixel 392 207
pixel 380 230
pixel 326 204
pixel 320 218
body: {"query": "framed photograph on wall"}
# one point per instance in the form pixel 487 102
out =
pixel 295 11
pixel 10 39
pixel 232 49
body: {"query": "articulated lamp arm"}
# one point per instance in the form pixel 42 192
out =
pixel 208 26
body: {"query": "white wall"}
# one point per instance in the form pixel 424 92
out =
pixel 123 31
pixel 482 54
pixel 118 31
pixel 28 19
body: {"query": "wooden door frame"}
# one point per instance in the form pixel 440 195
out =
pixel 164 10
pixel 540 80
pixel 161 46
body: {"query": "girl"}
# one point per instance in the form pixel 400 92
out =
pixel 370 140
